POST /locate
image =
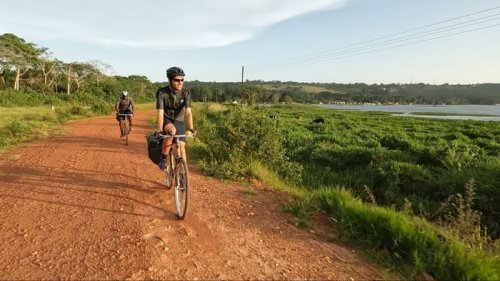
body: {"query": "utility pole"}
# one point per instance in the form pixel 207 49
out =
pixel 215 89
pixel 241 88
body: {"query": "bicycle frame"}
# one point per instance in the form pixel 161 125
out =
pixel 126 125
pixel 175 147
pixel 177 174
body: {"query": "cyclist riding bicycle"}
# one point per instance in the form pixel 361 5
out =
pixel 174 112
pixel 124 105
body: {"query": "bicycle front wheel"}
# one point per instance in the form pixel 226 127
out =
pixel 169 173
pixel 126 131
pixel 181 190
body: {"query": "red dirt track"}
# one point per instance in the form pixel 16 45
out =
pixel 85 206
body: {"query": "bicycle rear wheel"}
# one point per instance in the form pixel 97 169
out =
pixel 181 190
pixel 126 130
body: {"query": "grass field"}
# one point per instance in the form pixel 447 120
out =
pixel 416 192
pixel 9 114
pixel 303 88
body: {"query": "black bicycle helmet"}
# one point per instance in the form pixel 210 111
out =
pixel 174 71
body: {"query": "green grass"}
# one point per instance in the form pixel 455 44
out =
pixel 412 244
pixel 249 193
pixel 403 163
pixel 303 88
pixel 271 178
pixel 23 124
pixel 145 106
pixel 9 114
pixel 315 89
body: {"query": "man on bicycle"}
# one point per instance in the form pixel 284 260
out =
pixel 124 105
pixel 174 112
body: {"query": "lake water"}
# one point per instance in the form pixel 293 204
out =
pixel 463 112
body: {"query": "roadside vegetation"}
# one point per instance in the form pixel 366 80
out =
pixel 44 115
pixel 421 193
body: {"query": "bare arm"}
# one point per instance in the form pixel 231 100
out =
pixel 189 118
pixel 160 120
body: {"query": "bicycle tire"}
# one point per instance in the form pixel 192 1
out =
pixel 169 173
pixel 127 128
pixel 181 190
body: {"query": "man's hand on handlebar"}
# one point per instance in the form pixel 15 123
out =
pixel 157 134
pixel 191 132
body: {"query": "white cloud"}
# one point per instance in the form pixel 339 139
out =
pixel 154 23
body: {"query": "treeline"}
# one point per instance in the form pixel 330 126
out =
pixel 24 66
pixel 276 92
pixel 287 92
pixel 261 92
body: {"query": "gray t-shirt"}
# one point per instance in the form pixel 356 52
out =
pixel 124 105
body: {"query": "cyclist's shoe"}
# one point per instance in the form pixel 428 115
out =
pixel 163 164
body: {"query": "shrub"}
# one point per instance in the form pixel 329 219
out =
pixel 459 155
pixel 395 142
pixel 237 137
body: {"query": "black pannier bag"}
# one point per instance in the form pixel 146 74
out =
pixel 154 148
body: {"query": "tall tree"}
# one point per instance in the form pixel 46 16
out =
pixel 100 71
pixel 18 55
pixel 51 70
pixel 78 73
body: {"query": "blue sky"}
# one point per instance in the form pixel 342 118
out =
pixel 341 41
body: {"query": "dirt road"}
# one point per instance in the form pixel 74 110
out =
pixel 85 206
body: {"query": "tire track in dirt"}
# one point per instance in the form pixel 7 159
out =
pixel 85 206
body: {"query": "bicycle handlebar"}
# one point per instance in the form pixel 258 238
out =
pixel 174 136
pixel 125 114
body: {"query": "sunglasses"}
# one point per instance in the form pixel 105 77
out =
pixel 178 80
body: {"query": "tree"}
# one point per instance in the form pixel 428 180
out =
pixel 249 95
pixel 145 84
pixel 275 98
pixel 78 72
pixel 207 92
pixel 101 70
pixel 286 99
pixel 51 70
pixel 18 55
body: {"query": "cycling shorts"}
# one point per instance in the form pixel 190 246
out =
pixel 121 117
pixel 180 127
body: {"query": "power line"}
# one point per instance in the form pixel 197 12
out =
pixel 364 48
pixel 400 40
pixel 406 44
pixel 372 40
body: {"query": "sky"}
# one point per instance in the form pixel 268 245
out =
pixel 332 41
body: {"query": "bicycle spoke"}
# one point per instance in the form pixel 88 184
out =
pixel 181 189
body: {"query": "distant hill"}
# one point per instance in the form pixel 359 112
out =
pixel 307 88
pixel 487 93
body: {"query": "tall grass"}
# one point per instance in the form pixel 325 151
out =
pixel 28 115
pixel 383 154
pixel 21 124
pixel 419 160
pixel 412 243
pixel 10 114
